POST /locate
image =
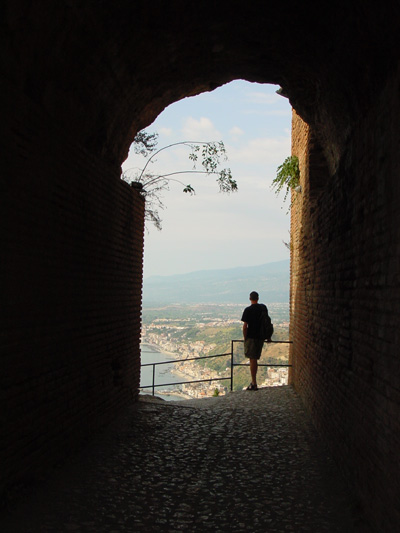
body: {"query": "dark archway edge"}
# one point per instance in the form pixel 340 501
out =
pixel 106 69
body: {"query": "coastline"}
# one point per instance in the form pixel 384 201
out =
pixel 178 394
pixel 186 374
pixel 157 348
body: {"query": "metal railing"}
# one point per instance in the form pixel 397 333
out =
pixel 209 380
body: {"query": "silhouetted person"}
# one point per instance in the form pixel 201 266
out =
pixel 253 343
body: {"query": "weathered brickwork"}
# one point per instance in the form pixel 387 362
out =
pixel 71 269
pixel 345 316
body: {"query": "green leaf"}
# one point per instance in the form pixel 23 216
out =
pixel 189 189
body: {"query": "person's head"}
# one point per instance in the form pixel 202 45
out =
pixel 254 296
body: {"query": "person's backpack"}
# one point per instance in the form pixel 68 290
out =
pixel 266 326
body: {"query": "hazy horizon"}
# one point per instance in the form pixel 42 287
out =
pixel 203 270
pixel 231 285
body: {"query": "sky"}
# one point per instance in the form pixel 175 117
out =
pixel 213 230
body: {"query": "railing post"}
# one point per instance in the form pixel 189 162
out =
pixel 154 373
pixel 231 365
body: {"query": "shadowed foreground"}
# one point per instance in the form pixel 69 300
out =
pixel 250 461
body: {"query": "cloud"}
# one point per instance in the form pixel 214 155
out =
pixel 200 130
pixel 263 98
pixel 269 112
pixel 236 132
pixel 207 231
pixel 261 151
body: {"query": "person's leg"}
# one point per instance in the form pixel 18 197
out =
pixel 253 370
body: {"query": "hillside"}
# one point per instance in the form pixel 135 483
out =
pixel 231 285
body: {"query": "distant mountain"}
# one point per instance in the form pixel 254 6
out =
pixel 231 285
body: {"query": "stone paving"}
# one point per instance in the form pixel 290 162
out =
pixel 249 461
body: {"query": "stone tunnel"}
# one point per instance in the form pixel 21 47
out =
pixel 79 79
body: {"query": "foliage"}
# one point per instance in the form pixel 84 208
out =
pixel 288 176
pixel 145 143
pixel 216 392
pixel 210 155
pixel 288 244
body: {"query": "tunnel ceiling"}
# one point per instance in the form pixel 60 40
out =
pixel 106 69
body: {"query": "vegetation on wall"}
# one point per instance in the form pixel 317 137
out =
pixel 288 176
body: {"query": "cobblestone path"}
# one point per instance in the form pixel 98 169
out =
pixel 250 461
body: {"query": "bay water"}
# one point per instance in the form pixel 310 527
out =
pixel 163 373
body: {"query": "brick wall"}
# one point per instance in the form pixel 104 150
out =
pixel 71 273
pixel 345 316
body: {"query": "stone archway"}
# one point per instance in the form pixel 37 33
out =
pixel 78 82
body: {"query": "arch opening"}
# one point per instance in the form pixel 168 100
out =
pixel 212 233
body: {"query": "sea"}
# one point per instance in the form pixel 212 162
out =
pixel 163 373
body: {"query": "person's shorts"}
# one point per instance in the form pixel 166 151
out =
pixel 253 348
